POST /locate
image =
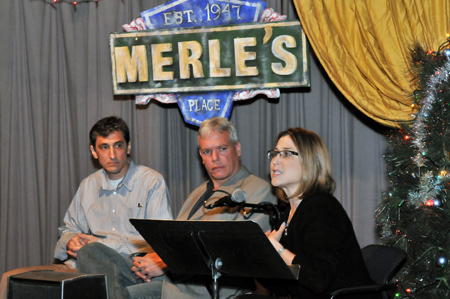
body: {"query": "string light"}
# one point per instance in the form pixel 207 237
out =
pixel 442 261
pixel 69 1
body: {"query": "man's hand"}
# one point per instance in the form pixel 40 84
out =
pixel 148 266
pixel 79 241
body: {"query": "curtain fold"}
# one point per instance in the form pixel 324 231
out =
pixel 364 48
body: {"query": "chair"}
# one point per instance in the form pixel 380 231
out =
pixel 382 263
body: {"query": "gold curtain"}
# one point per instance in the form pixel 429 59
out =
pixel 364 47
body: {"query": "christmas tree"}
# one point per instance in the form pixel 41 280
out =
pixel 415 214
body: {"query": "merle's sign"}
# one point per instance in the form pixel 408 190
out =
pixel 213 58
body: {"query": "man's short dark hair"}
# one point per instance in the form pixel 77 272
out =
pixel 108 125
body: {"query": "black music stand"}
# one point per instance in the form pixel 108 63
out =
pixel 231 248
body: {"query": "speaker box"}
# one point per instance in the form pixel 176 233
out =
pixel 57 285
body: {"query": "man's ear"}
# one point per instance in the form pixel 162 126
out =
pixel 129 148
pixel 93 152
pixel 238 148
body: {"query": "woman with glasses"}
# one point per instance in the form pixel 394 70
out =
pixel 315 232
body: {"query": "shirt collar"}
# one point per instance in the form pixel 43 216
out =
pixel 232 181
pixel 241 174
pixel 127 180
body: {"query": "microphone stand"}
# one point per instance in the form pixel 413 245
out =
pixel 274 213
pixel 265 206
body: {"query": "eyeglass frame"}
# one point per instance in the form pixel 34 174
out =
pixel 280 153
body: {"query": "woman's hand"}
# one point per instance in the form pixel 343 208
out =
pixel 274 238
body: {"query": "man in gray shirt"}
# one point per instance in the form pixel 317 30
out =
pixel 106 200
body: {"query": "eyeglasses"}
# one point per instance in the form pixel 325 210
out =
pixel 283 154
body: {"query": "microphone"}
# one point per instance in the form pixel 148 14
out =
pixel 231 200
pixel 238 199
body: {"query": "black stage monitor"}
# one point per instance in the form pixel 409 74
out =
pixel 57 285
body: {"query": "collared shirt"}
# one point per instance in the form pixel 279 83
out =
pixel 103 211
pixel 257 191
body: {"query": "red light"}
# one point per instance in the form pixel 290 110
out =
pixel 406 137
pixel 408 290
pixel 54 1
pixel 430 203
pixel 75 3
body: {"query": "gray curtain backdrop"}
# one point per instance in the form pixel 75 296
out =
pixel 55 83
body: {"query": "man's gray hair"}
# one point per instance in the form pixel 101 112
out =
pixel 218 124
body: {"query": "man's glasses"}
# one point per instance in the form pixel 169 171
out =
pixel 283 154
